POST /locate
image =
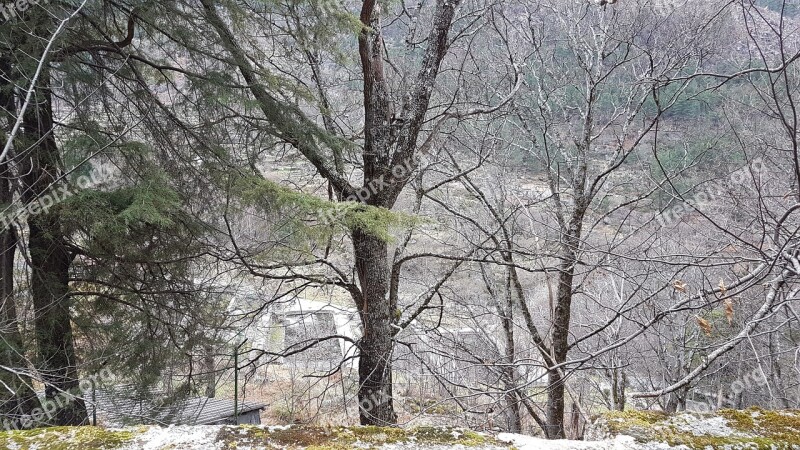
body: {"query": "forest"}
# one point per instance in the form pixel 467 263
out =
pixel 503 215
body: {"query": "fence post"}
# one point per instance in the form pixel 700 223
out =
pixel 94 405
pixel 236 382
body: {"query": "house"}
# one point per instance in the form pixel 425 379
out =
pixel 292 326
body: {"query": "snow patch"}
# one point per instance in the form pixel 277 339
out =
pixel 708 426
pixel 182 436
pixel 523 442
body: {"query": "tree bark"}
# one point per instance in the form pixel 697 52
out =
pixel 50 261
pixel 618 382
pixel 22 399
pixel 376 406
pixel 555 380
pixel 514 422
pixel 560 329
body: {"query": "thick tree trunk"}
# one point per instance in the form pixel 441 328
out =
pixel 375 400
pixel 13 405
pixel 50 261
pixel 555 406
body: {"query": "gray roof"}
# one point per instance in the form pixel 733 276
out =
pixel 125 405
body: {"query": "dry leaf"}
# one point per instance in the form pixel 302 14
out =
pixel 722 287
pixel 729 310
pixel 679 286
pixel 704 325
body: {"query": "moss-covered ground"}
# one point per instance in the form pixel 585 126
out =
pixel 245 436
pixel 345 438
pixel 65 438
pixel 752 429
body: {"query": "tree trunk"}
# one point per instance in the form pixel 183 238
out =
pixel 13 405
pixel 389 144
pixel 50 261
pixel 375 401
pixel 561 322
pixel 555 406
pixel 513 412
pixel 560 335
pixel 209 371
pixel 618 381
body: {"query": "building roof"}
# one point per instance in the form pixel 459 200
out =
pixel 205 411
pixel 126 405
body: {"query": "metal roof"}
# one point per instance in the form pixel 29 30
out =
pixel 125 405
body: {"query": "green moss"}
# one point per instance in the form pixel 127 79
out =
pixel 65 438
pixel 344 438
pixel 738 419
pixel 778 426
pixel 623 422
pixel 754 429
pixel 327 216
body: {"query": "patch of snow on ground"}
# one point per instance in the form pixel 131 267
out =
pixel 708 426
pixel 177 437
pixel 522 442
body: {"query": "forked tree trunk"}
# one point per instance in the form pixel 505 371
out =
pixel 618 382
pixel 390 141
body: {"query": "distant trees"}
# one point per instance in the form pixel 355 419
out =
pixel 598 88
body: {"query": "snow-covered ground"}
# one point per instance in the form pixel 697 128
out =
pixel 531 443
pixel 204 437
pixel 629 430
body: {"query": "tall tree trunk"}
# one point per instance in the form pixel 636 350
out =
pixel 18 398
pixel 376 405
pixel 513 412
pixel 560 335
pixel 50 261
pixel 562 313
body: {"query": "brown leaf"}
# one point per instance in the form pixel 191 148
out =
pixel 704 325
pixel 722 287
pixel 679 286
pixel 729 310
